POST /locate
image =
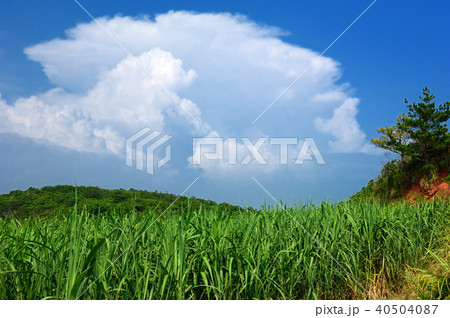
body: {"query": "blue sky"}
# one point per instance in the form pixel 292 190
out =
pixel 69 99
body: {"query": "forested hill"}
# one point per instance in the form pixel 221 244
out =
pixel 96 200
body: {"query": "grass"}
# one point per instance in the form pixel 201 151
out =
pixel 432 280
pixel 218 254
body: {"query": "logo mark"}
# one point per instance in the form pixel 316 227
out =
pixel 143 145
pixel 212 148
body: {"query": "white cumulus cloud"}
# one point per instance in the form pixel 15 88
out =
pixel 125 97
pixel 221 69
pixel 345 128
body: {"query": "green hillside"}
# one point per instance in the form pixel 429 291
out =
pixel 96 200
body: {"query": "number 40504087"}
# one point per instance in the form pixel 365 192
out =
pixel 407 309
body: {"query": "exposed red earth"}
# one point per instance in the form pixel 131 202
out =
pixel 438 189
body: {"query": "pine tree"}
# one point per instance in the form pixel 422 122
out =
pixel 393 138
pixel 426 127
pixel 422 134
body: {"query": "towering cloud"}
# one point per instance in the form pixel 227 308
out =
pixel 219 70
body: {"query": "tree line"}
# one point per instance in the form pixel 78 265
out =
pixel 95 200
